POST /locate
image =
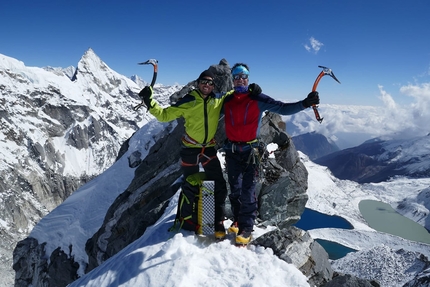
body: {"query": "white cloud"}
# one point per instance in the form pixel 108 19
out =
pixel 314 45
pixel 421 94
pixel 420 108
pixel 386 98
pixel 351 125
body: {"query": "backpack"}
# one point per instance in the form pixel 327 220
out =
pixel 196 205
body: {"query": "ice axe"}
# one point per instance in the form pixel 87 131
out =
pixel 325 71
pixel 154 63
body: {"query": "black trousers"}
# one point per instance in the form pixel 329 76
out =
pixel 242 179
pixel 191 157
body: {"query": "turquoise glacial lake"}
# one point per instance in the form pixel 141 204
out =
pixel 382 217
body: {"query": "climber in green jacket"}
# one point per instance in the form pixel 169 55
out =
pixel 201 110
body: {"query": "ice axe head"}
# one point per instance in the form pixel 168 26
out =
pixel 325 71
pixel 154 63
pixel 150 61
pixel 328 71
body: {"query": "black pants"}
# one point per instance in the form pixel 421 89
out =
pixel 190 157
pixel 242 180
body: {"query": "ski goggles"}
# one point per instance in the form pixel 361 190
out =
pixel 240 76
pixel 206 82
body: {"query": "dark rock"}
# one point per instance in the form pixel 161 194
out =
pixel 30 263
pixel 295 246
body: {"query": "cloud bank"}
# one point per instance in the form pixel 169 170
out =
pixel 360 123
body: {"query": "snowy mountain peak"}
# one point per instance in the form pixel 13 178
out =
pixel 139 81
pixel 91 62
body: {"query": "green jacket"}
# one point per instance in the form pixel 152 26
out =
pixel 201 117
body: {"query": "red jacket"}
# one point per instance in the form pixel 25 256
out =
pixel 243 113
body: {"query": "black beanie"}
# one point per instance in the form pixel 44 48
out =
pixel 206 73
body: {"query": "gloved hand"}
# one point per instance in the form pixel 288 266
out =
pixel 312 99
pixel 254 89
pixel 146 95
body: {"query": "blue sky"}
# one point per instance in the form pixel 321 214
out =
pixel 366 43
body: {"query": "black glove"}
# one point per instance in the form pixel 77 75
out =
pixel 254 89
pixel 312 99
pixel 146 95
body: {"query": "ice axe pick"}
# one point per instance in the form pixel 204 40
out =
pixel 154 63
pixel 325 71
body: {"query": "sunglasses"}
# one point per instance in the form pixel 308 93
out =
pixel 240 76
pixel 206 82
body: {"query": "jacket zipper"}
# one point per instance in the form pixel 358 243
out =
pixel 205 113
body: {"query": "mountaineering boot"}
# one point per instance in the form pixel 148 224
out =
pixel 233 228
pixel 219 230
pixel 243 238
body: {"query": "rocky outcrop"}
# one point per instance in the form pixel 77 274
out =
pixel 297 247
pixel 141 204
pixel 35 262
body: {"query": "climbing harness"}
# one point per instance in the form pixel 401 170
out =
pixel 187 139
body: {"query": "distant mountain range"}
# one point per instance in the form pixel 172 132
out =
pixel 379 160
pixel 375 160
pixel 314 145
